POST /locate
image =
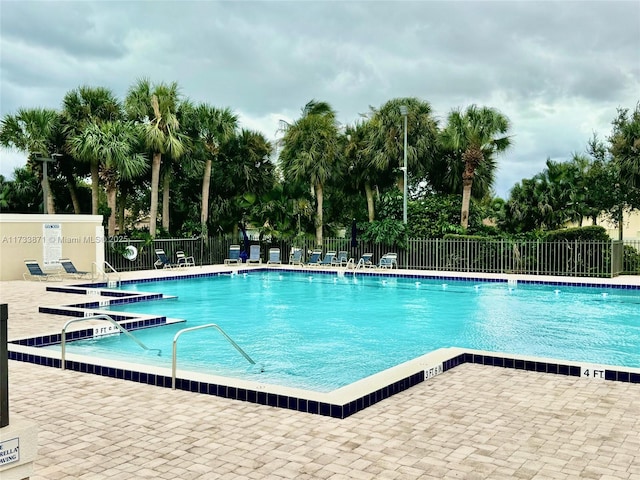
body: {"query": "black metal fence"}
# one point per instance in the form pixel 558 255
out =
pixel 561 258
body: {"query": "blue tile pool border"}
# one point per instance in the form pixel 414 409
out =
pixel 339 411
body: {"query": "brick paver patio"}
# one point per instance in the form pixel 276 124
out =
pixel 473 422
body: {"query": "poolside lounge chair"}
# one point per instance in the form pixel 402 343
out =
pixel 328 259
pixel 36 273
pixel 71 271
pixel 184 261
pixel 295 257
pixel 365 261
pixel 254 254
pixel 315 258
pixel 389 260
pixel 274 256
pixel 234 255
pixel 341 259
pixel 162 261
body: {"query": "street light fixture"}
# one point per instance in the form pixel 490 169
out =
pixel 45 183
pixel 404 111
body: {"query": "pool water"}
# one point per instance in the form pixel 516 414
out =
pixel 322 331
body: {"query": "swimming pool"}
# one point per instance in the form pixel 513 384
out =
pixel 320 331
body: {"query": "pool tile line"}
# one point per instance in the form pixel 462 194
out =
pixel 304 405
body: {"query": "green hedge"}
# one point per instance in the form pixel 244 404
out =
pixel 592 232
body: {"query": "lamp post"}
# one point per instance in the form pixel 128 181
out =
pixel 45 177
pixel 403 112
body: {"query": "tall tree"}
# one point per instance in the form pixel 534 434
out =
pixel 155 107
pixel 210 127
pixel 477 134
pixel 386 137
pixel 81 108
pixel 112 145
pixel 311 152
pixel 33 131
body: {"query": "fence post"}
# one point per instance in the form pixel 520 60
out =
pixel 4 367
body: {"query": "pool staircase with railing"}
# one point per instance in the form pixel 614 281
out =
pixel 102 317
pixel 174 361
pixel 97 270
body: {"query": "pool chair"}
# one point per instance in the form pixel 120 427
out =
pixel 274 256
pixel 36 273
pixel 295 257
pixel 365 261
pixel 328 259
pixel 162 261
pixel 389 260
pixel 234 255
pixel 184 261
pixel 71 271
pixel 315 258
pixel 341 259
pixel 254 254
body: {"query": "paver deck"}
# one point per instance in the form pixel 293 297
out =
pixel 473 422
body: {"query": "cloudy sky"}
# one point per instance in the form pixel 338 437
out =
pixel 558 70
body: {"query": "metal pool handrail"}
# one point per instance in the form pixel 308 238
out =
pixel 98 317
pixel 209 325
pixel 95 269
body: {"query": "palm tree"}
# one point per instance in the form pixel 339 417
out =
pixel 386 137
pixel 211 127
pixel 476 135
pixel 82 107
pixel 112 145
pixel 155 107
pixel 311 152
pixel 32 131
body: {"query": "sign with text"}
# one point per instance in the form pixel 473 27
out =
pixel 51 245
pixel 431 372
pixel 9 451
pixel 594 372
pixel 105 330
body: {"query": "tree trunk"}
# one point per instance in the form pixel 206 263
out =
pixel 204 209
pixel 472 157
pixel 111 203
pixel 155 183
pixel 165 200
pixel 466 198
pixel 46 187
pixel 71 185
pixel 370 204
pixel 95 184
pixel 319 215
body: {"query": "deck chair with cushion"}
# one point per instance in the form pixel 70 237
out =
pixel 162 261
pixel 315 258
pixel 295 257
pixel 328 259
pixel 234 255
pixel 389 260
pixel 365 261
pixel 184 261
pixel 341 259
pixel 274 256
pixel 71 271
pixel 254 254
pixel 36 273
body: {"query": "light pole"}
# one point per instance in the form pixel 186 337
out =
pixel 403 112
pixel 45 179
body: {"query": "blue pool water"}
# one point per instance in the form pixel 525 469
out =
pixel 320 331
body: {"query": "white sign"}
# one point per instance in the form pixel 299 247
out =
pixel 431 372
pixel 593 372
pixel 52 244
pixel 106 330
pixel 9 451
